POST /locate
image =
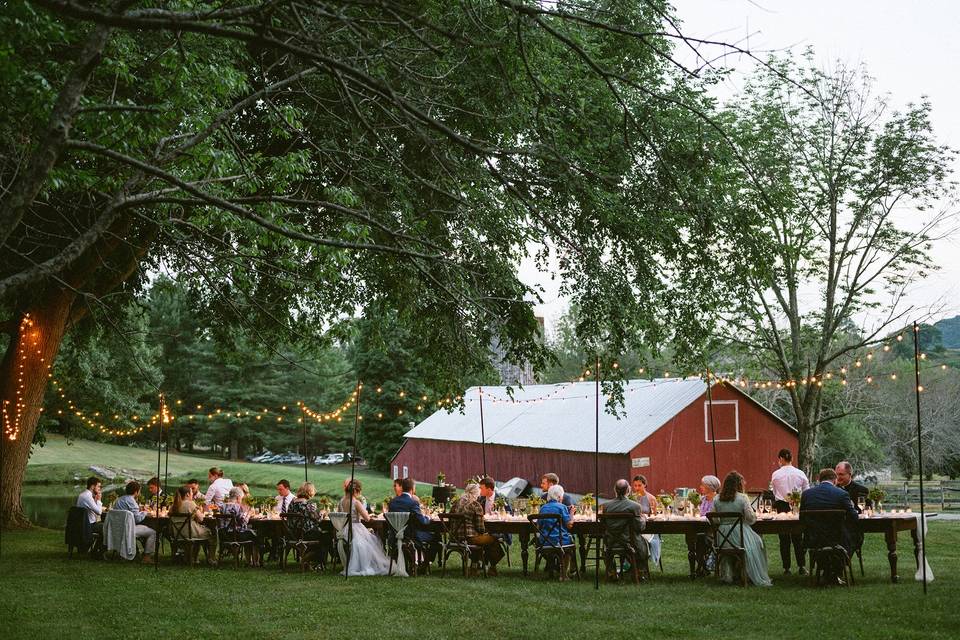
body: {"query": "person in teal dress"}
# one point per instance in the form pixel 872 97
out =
pixel 732 499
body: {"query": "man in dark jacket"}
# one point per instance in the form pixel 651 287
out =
pixel 827 495
pixel 618 531
pixel 845 481
pixel 406 503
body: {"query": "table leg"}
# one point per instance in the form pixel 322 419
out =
pixel 916 545
pixel 524 546
pixel 691 539
pixel 583 539
pixel 891 537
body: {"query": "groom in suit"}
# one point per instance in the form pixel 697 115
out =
pixel 407 503
pixel 827 495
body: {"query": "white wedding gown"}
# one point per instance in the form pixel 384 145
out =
pixel 367 557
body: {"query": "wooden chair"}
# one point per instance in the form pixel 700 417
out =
pixel 79 534
pixel 823 538
pixel 622 549
pixel 178 532
pixel 547 537
pixel 293 538
pixel 722 526
pixel 452 526
pixel 227 540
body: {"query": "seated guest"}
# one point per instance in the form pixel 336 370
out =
pixel 363 501
pixel 219 487
pixel 709 486
pixel 154 490
pixel 548 480
pixel 488 495
pixel 194 486
pixel 856 490
pixel 732 499
pixel 284 496
pixel 128 502
pixel 618 531
pixel 244 502
pixel 90 499
pixel 826 495
pixel 406 502
pixel 555 504
pixel 398 489
pixel 474 529
pixel 237 526
pixel 648 506
pixel 640 495
pixel 183 504
pixel 302 505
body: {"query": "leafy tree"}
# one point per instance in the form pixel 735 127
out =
pixel 829 164
pixel 292 163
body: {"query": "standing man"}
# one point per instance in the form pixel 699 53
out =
pixel 785 481
pixel 284 496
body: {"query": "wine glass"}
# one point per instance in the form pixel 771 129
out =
pixel 861 504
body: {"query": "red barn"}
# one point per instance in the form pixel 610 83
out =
pixel 662 431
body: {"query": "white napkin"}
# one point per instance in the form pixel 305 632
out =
pixel 398 521
pixel 919 575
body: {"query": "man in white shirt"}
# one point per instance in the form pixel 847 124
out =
pixel 284 495
pixel 785 481
pixel 219 487
pixel 89 499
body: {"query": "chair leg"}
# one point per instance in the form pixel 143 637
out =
pixel 860 558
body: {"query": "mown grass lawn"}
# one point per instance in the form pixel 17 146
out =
pixel 61 461
pixel 44 595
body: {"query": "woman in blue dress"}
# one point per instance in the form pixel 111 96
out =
pixel 732 500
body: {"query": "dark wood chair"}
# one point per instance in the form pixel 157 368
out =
pixel 622 548
pixel 230 541
pixel 452 527
pixel 823 531
pixel 79 534
pixel 178 532
pixel 548 546
pixel 722 527
pixel 294 537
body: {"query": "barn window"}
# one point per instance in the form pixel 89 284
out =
pixel 726 421
pixel 406 472
pixel 396 471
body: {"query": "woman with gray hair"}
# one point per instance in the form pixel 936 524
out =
pixel 709 488
pixel 473 530
pixel 235 528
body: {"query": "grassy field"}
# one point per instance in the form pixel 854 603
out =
pixel 46 596
pixel 63 461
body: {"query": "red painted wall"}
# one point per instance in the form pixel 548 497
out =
pixel 460 460
pixel 680 451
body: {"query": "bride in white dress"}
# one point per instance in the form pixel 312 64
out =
pixel 367 557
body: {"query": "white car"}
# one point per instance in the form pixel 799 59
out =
pixel 330 458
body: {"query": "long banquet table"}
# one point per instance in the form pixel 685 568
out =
pixel 888 524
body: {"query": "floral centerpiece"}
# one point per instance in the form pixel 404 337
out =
pixel 588 502
pixel 794 499
pixel 326 503
pixel 534 503
pixel 500 503
pixel 473 480
pixel 694 498
pixel 876 495
pixel 666 500
pixel 441 479
pixel 426 501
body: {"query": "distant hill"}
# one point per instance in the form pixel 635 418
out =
pixel 950 331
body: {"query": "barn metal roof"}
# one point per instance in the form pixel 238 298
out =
pixel 562 416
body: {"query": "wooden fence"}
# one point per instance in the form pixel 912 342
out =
pixel 944 494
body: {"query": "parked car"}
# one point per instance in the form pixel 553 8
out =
pixel 330 458
pixel 262 457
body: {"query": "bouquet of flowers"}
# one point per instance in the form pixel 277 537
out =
pixel 326 503
pixel 665 499
pixel 426 501
pixel 441 479
pixel 534 503
pixel 499 503
pixel 876 495
pixel 695 499
pixel 794 498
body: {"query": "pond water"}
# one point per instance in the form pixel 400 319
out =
pixel 46 505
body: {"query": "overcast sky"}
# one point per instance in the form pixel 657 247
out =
pixel 912 49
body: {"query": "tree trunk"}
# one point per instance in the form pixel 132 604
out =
pixel 234 449
pixel 23 382
pixel 808 445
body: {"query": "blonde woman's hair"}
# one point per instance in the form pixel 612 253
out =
pixel 470 493
pixel 306 490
